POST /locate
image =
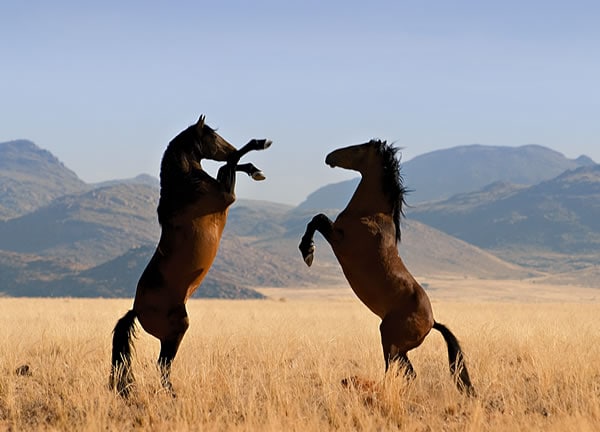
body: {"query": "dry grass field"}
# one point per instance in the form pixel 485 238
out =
pixel 276 365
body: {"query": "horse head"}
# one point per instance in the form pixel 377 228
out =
pixel 360 157
pixel 209 144
pixel 375 159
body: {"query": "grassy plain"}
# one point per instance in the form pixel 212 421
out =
pixel 277 365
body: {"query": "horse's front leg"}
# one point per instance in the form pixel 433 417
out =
pixel 319 223
pixel 251 170
pixel 226 174
pixel 253 144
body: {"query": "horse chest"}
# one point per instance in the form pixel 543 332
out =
pixel 365 248
pixel 204 238
pixel 188 248
pixel 360 236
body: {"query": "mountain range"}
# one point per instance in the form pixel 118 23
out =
pixel 443 173
pixel 31 177
pixel 557 218
pixel 62 237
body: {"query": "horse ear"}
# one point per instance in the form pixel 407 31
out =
pixel 200 124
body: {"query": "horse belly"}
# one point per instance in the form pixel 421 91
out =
pixel 364 275
pixel 179 265
pixel 189 266
pixel 373 268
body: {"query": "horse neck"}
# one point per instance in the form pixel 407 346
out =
pixel 368 197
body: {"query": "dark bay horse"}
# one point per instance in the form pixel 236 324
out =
pixel 364 238
pixel 192 212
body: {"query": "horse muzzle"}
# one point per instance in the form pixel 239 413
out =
pixel 330 160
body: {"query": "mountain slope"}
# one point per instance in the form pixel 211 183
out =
pixel 31 178
pixel 115 278
pixel 87 228
pixel 561 216
pixel 96 241
pixel 443 173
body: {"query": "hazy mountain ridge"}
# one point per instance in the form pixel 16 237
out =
pixel 96 241
pixel 443 173
pixel 558 216
pixel 141 179
pixel 31 177
pixel 86 228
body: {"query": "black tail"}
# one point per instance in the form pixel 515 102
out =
pixel 458 369
pixel 121 376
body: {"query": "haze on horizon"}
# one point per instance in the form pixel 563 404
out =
pixel 104 87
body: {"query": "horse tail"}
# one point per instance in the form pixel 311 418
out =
pixel 121 376
pixel 458 369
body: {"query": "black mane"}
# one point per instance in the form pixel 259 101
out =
pixel 177 184
pixel 392 181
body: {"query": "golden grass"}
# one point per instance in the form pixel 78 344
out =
pixel 273 365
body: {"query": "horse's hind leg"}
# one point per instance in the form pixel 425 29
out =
pixel 403 364
pixel 393 356
pixel 396 341
pixel 178 323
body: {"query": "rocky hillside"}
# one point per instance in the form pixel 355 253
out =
pixel 95 240
pixel 558 216
pixel 86 228
pixel 31 178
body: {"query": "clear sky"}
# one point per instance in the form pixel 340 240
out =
pixel 105 85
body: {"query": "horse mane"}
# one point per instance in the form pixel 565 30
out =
pixel 177 185
pixel 392 181
pixel 184 150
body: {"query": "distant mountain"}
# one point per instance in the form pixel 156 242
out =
pixel 560 216
pixel 142 179
pixel 86 228
pixel 331 196
pixel 95 240
pixel 443 173
pixel 115 278
pixel 31 178
pixel 258 258
pixel 252 218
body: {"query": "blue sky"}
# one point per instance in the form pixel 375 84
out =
pixel 105 86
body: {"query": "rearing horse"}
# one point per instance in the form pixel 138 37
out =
pixel 364 238
pixel 192 212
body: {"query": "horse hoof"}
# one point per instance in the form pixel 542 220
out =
pixel 308 251
pixel 267 144
pixel 23 370
pixel 308 259
pixel 123 391
pixel 258 176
